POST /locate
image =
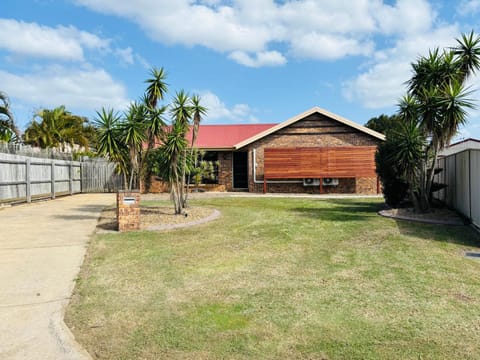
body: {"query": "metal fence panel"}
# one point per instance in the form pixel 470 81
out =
pixel 440 178
pixel 475 186
pixel 462 176
pixel 450 181
pixel 462 183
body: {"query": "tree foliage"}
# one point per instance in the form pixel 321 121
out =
pixel 129 139
pixel 8 130
pixel 384 123
pixel 202 169
pixel 58 128
pixel 431 113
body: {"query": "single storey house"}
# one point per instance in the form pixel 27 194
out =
pixel 313 152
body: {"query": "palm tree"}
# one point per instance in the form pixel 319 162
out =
pixel 182 111
pixel 8 130
pixel 134 134
pixel 109 141
pixel 468 52
pixel 440 100
pixel 197 111
pixel 155 92
pixel 157 87
pixel 56 128
pixel 169 164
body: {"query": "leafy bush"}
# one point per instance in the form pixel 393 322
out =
pixel 395 188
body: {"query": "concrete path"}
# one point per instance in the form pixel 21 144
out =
pixel 42 246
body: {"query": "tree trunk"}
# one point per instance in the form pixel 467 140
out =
pixel 432 174
pixel 182 188
pixel 146 172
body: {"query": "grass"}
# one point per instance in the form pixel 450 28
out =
pixel 282 279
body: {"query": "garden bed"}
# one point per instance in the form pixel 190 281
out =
pixel 159 218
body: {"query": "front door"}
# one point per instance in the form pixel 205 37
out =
pixel 240 170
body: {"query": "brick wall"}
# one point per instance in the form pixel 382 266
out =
pixel 367 186
pixel 128 213
pixel 225 170
pixel 158 186
pixel 314 131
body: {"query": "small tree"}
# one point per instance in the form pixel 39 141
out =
pixel 202 169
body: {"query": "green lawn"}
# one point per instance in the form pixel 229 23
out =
pixel 282 279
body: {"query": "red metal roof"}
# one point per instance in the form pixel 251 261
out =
pixel 226 136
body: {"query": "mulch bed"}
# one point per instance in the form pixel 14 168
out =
pixel 441 216
pixel 159 218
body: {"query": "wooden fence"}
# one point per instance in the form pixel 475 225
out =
pixel 100 176
pixel 461 174
pixel 23 179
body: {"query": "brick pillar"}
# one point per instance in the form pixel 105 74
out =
pixel 128 210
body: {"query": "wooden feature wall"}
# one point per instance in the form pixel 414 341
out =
pixel 319 162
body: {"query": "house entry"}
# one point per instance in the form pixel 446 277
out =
pixel 240 170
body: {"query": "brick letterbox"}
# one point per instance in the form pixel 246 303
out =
pixel 128 210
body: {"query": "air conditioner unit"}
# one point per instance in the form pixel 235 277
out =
pixel 311 182
pixel 329 182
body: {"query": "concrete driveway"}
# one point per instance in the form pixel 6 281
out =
pixel 42 246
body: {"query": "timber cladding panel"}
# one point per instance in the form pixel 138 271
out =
pixel 315 131
pixel 319 162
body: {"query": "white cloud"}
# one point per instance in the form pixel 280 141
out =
pixel 382 84
pixel 32 39
pixel 470 7
pixel 126 55
pixel 329 47
pixel 86 88
pixel 264 58
pixel 406 17
pixel 218 110
pixel 252 32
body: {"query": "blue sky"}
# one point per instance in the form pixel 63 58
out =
pixel 250 60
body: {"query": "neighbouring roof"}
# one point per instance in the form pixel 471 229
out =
pixel 233 137
pixel 460 146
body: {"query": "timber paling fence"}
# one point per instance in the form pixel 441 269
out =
pixel 23 179
pixel 461 174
